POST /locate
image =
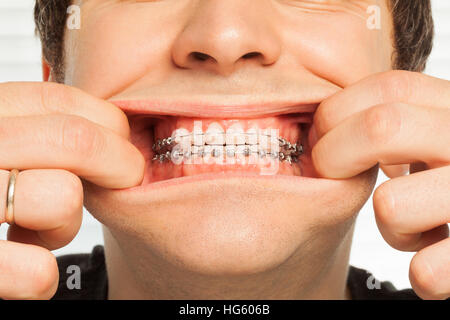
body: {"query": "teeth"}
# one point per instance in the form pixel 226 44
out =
pixel 253 148
pixel 177 154
pixel 235 135
pixel 262 153
pixel 215 134
pixel 246 151
pixel 215 144
pixel 198 140
pixel 198 150
pixel 230 150
pixel 252 136
pixel 216 152
pixel 182 137
pixel 197 134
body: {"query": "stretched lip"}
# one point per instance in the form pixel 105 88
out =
pixel 161 108
pixel 297 182
pixel 206 110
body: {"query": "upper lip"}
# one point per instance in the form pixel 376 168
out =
pixel 300 95
pixel 207 110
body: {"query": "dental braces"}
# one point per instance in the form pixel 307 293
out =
pixel 289 152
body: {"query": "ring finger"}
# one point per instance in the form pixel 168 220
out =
pixel 47 202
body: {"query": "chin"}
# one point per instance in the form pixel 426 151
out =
pixel 196 214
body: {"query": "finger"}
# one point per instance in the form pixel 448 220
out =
pixel 48 207
pixel 27 272
pixel 44 199
pixel 429 271
pixel 394 171
pixel 384 134
pixel 32 98
pixel 49 239
pixel 72 143
pixel 383 88
pixel 412 212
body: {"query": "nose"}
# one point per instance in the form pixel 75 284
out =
pixel 223 35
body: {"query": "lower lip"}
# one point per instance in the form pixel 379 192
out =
pixel 175 182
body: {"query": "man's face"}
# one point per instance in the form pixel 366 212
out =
pixel 255 63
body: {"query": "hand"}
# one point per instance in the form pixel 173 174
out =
pixel 400 120
pixel 54 133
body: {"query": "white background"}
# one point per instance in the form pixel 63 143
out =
pixel 20 61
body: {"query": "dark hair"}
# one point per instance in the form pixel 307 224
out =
pixel 50 18
pixel 412 21
pixel 413 33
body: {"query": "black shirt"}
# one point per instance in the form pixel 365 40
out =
pixel 94 281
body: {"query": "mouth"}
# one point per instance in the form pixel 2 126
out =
pixel 182 141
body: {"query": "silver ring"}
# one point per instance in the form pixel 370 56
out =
pixel 9 216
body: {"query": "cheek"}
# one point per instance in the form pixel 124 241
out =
pixel 111 50
pixel 338 47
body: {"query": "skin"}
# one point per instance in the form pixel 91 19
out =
pixel 183 242
pixel 55 144
pixel 383 121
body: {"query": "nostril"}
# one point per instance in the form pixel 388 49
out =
pixel 199 56
pixel 250 55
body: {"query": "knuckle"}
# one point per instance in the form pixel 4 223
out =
pixel 396 84
pixel 60 98
pixel 44 276
pixel 383 208
pixel 72 195
pixel 56 97
pixel 389 220
pixel 80 137
pixel 382 124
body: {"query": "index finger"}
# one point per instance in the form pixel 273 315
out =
pixel 40 98
pixel 73 143
pixel 387 134
pixel 383 88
